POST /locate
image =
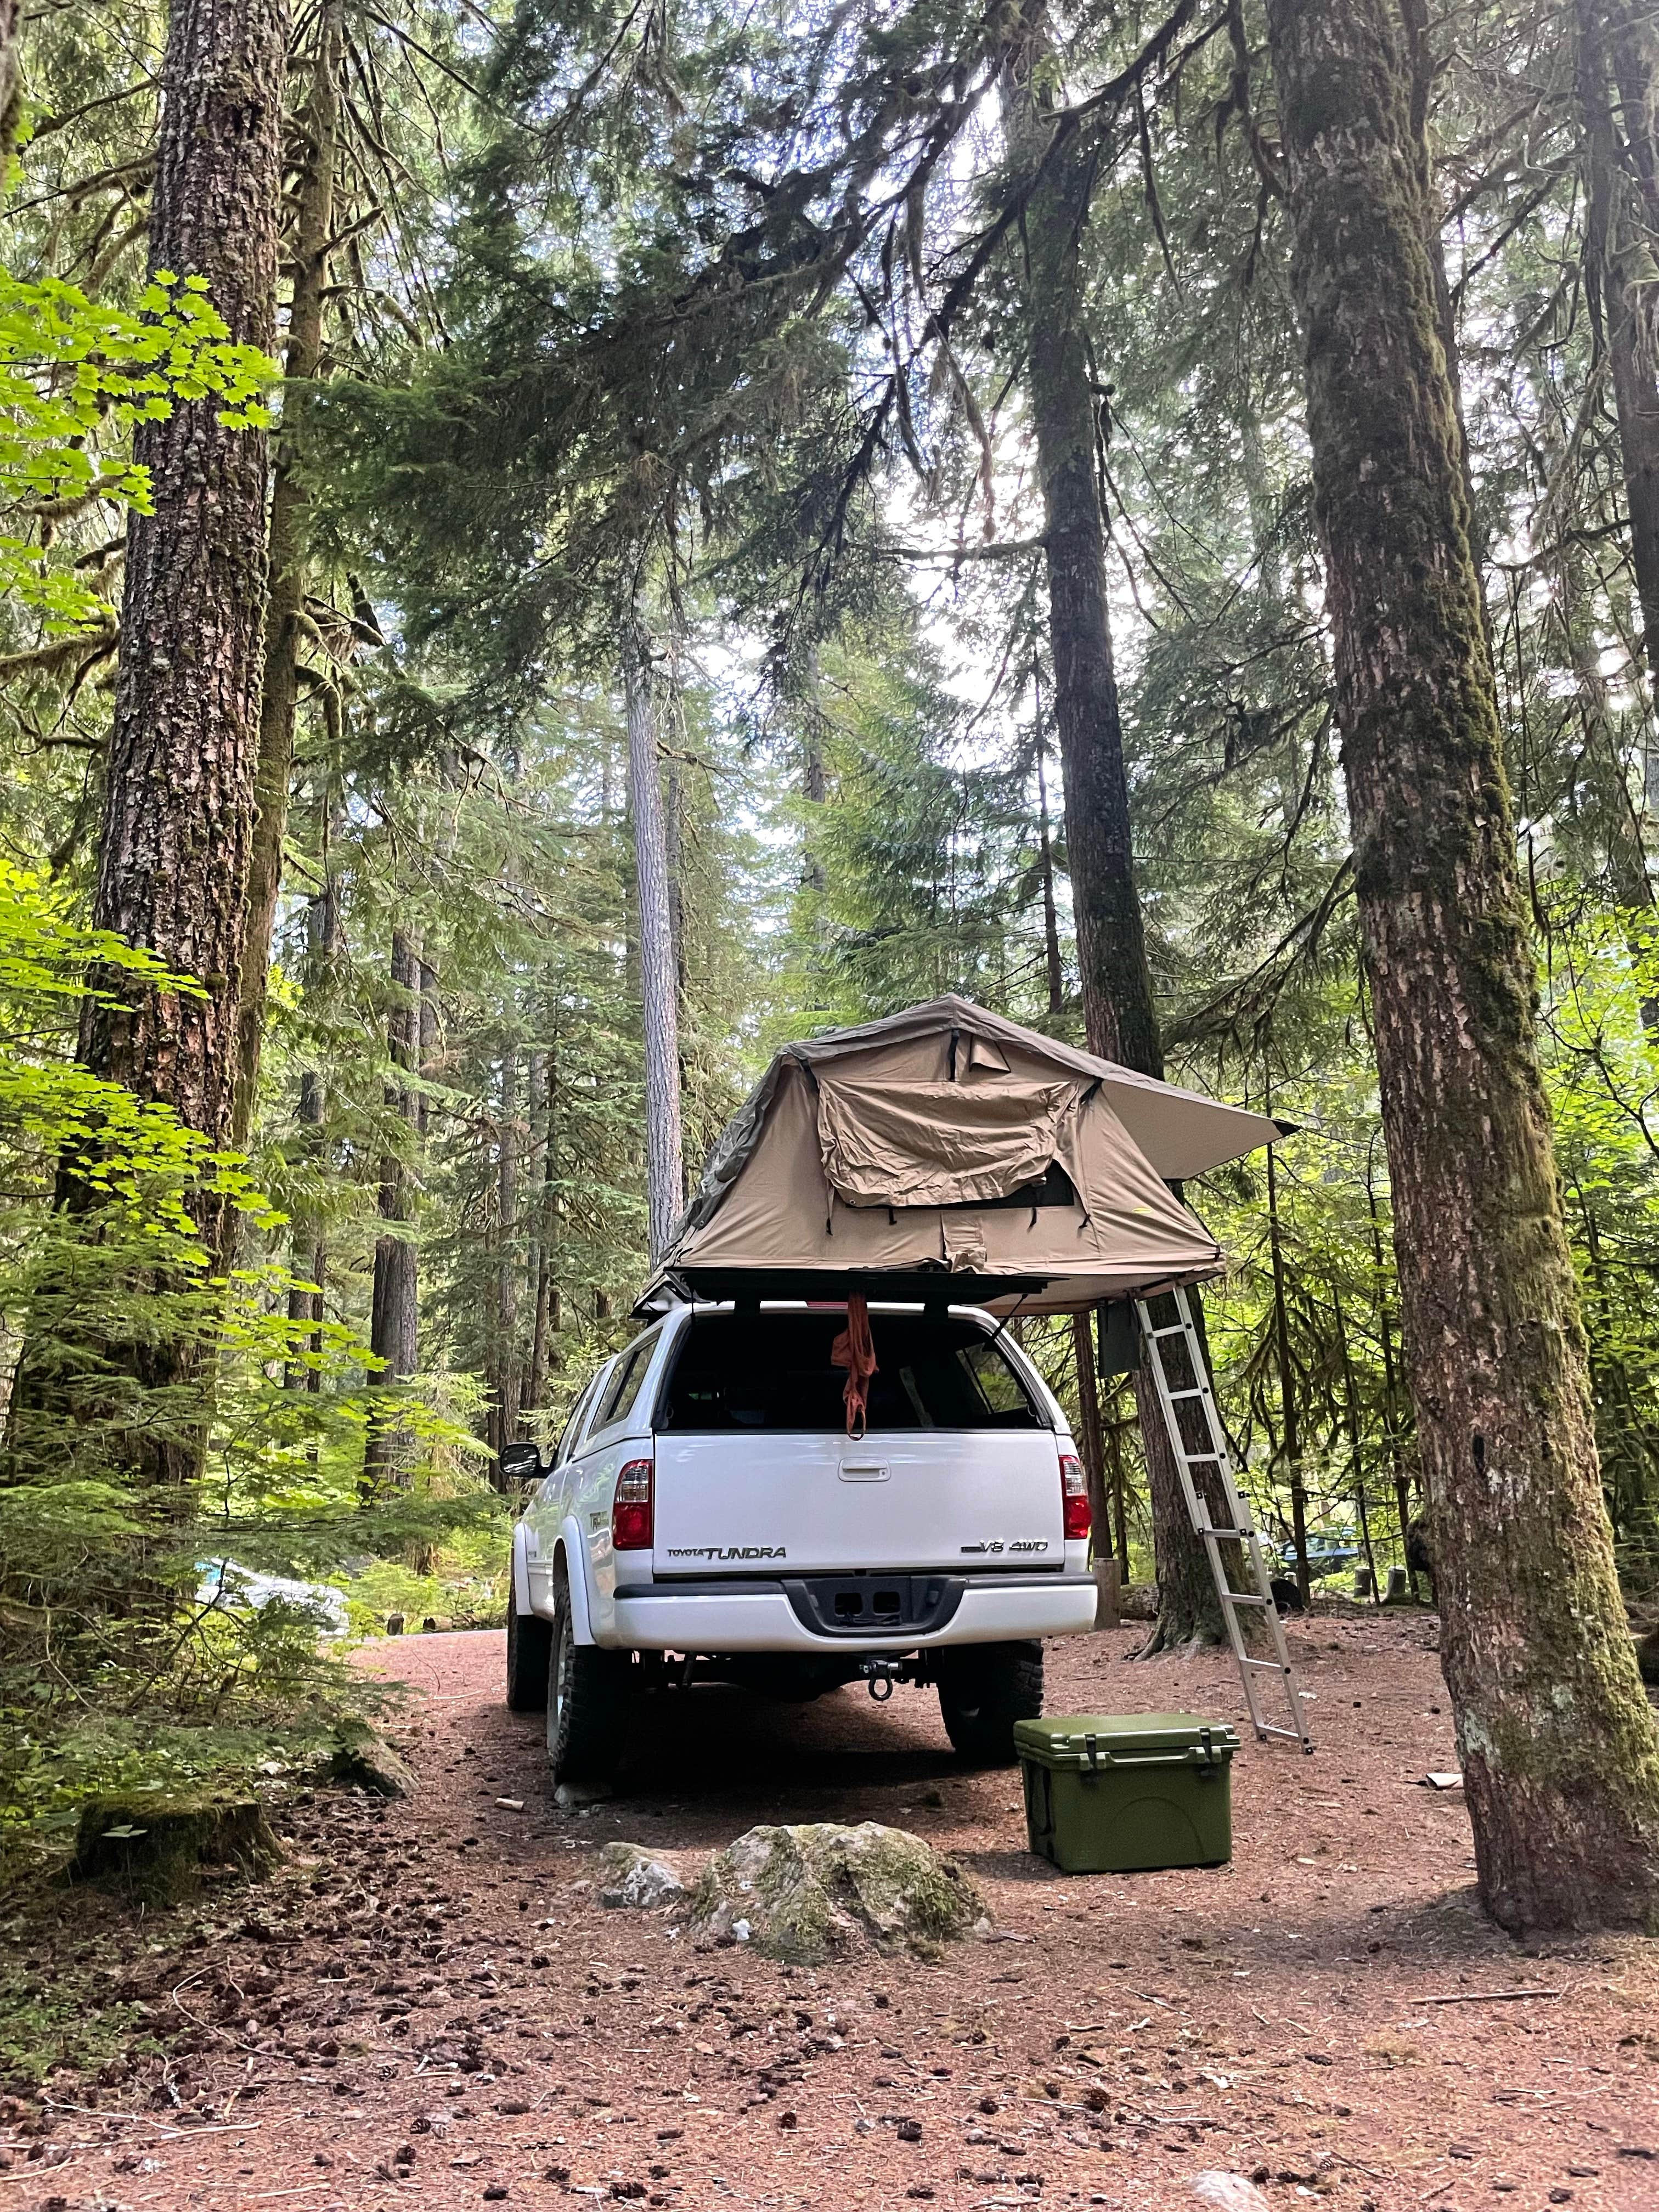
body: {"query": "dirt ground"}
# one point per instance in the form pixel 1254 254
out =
pixel 429 2005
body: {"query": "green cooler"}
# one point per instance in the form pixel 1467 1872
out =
pixel 1109 1793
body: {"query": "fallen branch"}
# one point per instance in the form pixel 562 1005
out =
pixel 1492 1996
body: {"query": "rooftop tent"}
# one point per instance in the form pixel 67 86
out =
pixel 947 1151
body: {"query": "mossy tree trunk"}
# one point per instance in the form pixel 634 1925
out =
pixel 178 783
pixel 1558 1745
pixel 1119 1016
pixel 172 857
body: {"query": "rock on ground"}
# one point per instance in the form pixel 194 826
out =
pixel 806 1892
pixel 631 1874
pixel 1228 2192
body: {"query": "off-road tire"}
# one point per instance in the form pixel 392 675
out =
pixel 529 1657
pixel 588 1697
pixel 983 1689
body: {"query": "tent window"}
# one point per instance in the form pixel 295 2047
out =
pixel 771 1371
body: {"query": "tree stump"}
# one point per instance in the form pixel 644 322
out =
pixel 156 1847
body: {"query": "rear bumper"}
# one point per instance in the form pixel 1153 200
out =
pixel 759 1617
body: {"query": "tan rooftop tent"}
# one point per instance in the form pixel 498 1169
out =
pixel 946 1152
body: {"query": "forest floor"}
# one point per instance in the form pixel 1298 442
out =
pixel 428 2004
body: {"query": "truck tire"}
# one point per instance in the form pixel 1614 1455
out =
pixel 587 1699
pixel 983 1689
pixel 529 1657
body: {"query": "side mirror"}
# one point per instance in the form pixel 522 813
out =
pixel 520 1462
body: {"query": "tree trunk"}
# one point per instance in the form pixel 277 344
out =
pixel 1051 963
pixel 1088 1435
pixel 308 1249
pixel 1119 1016
pixel 178 800
pixel 1113 1432
pixel 178 771
pixel 814 783
pixel 11 81
pixel 1390 1391
pixel 507 1252
pixel 290 532
pixel 1558 1746
pixel 659 981
pixel 394 1320
pixel 1289 1440
pixel 547 1235
pixel 1622 195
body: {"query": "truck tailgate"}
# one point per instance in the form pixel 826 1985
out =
pixel 785 1503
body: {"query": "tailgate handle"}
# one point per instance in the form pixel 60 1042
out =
pixel 863 1470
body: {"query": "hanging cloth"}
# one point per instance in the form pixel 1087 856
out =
pixel 854 1350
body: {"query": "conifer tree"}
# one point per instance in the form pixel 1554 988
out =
pixel 1558 1745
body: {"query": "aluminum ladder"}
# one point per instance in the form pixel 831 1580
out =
pixel 1212 1455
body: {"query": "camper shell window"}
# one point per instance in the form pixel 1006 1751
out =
pixel 758 1372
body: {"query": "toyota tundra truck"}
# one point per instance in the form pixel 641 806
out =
pixel 707 1517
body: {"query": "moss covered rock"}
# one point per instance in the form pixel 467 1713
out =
pixel 809 1893
pixel 154 1846
pixel 632 1875
pixel 362 1760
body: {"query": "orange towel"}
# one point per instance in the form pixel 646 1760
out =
pixel 854 1351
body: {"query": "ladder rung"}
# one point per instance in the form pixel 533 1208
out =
pixel 1196 1485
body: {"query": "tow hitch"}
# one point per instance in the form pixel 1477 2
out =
pixel 881 1674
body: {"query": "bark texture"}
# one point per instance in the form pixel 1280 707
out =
pixel 179 802
pixel 1120 1018
pixel 1558 1744
pixel 659 974
pixel 290 533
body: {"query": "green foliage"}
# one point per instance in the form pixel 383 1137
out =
pixel 52 2019
pixel 75 375
pixel 114 1673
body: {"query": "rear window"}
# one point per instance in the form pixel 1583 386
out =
pixel 772 1371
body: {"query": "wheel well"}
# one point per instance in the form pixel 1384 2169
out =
pixel 577 1583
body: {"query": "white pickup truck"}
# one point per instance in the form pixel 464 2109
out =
pixel 707 1517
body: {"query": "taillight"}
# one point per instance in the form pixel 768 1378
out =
pixel 1073 1498
pixel 630 1509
